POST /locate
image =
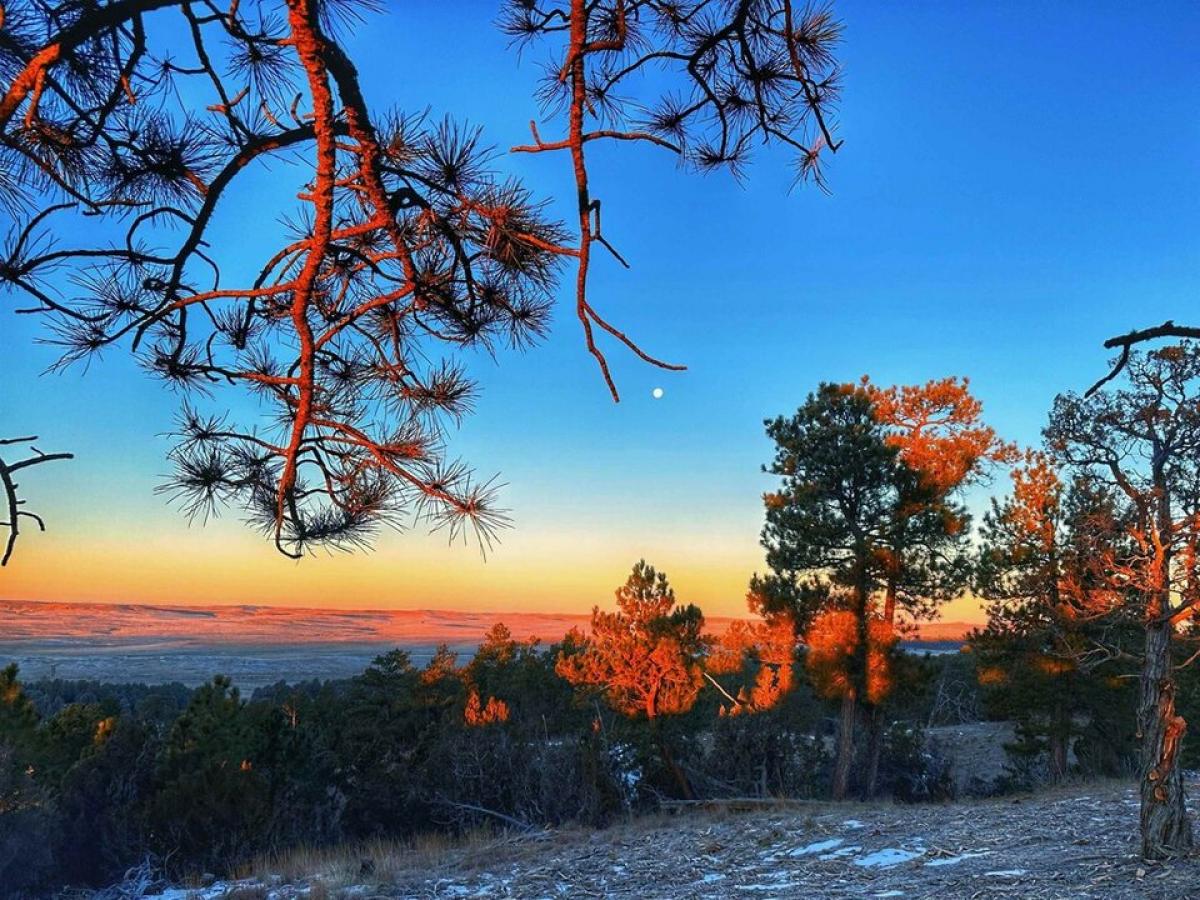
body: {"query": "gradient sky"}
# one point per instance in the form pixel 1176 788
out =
pixel 1018 182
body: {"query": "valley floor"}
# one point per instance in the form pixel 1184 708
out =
pixel 1075 842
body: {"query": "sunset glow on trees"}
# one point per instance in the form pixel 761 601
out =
pixel 825 524
pixel 770 647
pixel 319 256
pixel 867 524
pixel 943 446
pixel 478 714
pixel 834 652
pixel 645 658
pixel 1142 437
pixel 1046 551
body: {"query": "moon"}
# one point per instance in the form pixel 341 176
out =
pixel 657 393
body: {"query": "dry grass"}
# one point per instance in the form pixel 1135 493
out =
pixel 1075 840
pixel 327 871
pixel 736 834
pixel 247 892
pixel 374 861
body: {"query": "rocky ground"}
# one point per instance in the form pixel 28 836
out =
pixel 1067 843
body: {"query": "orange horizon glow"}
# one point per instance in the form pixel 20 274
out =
pixel 208 566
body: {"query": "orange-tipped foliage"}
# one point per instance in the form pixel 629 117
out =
pixel 939 431
pixel 775 648
pixel 772 645
pixel 833 650
pixel 478 714
pixel 442 666
pixel 1036 500
pixel 1053 551
pixel 644 658
pixel 729 653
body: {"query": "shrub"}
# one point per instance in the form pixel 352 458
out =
pixel 913 768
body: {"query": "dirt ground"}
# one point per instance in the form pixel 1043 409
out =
pixel 1072 842
pixel 1068 843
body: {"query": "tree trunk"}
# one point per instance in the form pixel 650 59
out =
pixel 664 752
pixel 889 600
pixel 874 752
pixel 875 738
pixel 1059 740
pixel 1166 829
pixel 845 748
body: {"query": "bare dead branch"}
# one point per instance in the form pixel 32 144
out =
pixel 12 500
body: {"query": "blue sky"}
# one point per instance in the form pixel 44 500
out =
pixel 1018 182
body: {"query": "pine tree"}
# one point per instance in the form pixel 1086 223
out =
pixel 825 526
pixel 1143 439
pixel 1041 569
pixel 944 445
pixel 645 658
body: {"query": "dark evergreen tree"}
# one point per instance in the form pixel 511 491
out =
pixel 825 527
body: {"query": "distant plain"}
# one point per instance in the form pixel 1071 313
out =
pixel 260 645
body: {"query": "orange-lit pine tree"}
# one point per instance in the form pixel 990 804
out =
pixel 833 651
pixel 867 516
pixel 403 248
pixel 943 445
pixel 1045 553
pixel 478 714
pixel 1141 436
pixel 768 649
pixel 644 658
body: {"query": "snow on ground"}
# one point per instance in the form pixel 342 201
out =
pixel 888 857
pixel 955 860
pixel 815 847
pixel 1059 844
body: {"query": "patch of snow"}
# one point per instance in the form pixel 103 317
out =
pixel 839 854
pixel 853 823
pixel 818 847
pixel 1005 873
pixel 892 893
pixel 888 857
pixel 768 887
pixel 955 860
pixel 711 877
pixel 214 891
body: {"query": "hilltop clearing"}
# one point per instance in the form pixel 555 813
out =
pixel 1072 842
